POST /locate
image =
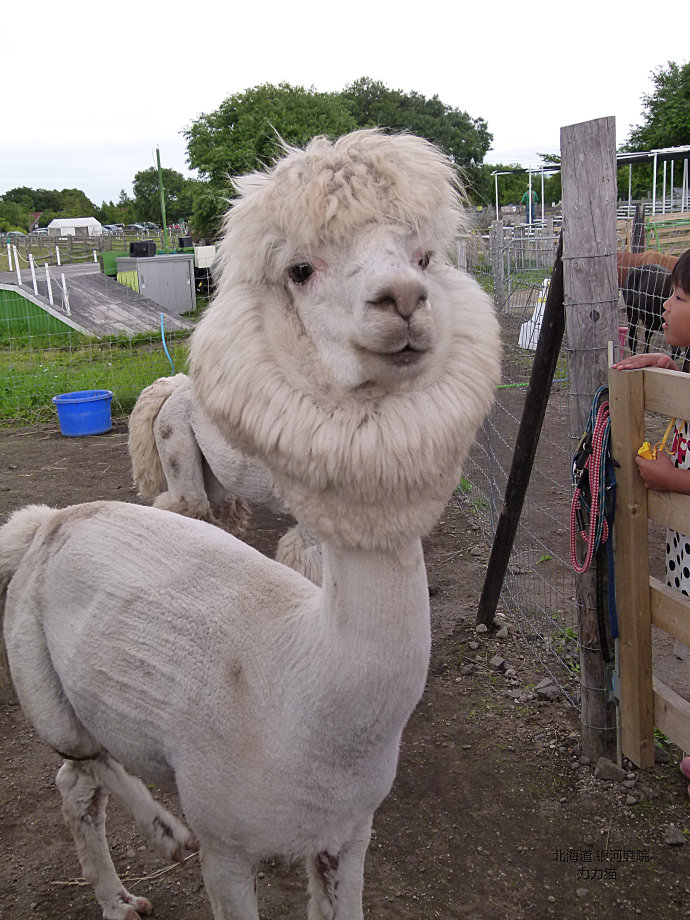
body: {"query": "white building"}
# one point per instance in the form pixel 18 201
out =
pixel 75 226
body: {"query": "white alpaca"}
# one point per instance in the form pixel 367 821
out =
pixel 181 462
pixel 358 365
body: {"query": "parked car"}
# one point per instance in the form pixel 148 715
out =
pixel 42 230
pixel 135 228
pixel 149 225
pixel 112 228
pixel 15 233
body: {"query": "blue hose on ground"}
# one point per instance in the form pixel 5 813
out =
pixel 165 346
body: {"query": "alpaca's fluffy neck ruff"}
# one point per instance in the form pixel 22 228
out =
pixel 368 467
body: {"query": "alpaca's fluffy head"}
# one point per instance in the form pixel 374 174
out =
pixel 329 191
pixel 341 347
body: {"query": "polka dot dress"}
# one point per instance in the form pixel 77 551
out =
pixel 677 544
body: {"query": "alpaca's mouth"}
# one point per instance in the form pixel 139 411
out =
pixel 406 356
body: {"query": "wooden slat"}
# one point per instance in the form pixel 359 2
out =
pixel 670 610
pixel 672 715
pixel 626 400
pixel 666 392
pixel 670 509
pixel 669 216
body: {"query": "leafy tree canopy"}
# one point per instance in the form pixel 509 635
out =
pixel 177 191
pixel 242 135
pixel 666 111
pixel 464 139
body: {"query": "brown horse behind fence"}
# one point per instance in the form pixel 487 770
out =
pixel 628 260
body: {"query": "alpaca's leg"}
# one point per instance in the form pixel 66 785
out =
pixel 183 466
pixel 230 881
pixel 83 808
pixel 168 835
pixel 336 880
pixel 228 512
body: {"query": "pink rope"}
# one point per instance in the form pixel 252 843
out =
pixel 593 464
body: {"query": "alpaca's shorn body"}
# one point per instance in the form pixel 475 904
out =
pixel 181 462
pixel 357 365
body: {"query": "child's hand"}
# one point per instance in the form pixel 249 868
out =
pixel 655 359
pixel 658 475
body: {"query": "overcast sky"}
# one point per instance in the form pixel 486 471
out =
pixel 89 91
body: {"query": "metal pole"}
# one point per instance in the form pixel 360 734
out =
pixel 160 188
pixel 49 286
pixel 33 272
pixel 542 194
pixel 663 193
pixel 16 265
pixel 65 295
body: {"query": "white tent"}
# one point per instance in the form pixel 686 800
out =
pixel 75 226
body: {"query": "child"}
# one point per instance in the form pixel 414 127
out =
pixel 671 473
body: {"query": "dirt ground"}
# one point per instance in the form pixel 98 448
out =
pixel 492 815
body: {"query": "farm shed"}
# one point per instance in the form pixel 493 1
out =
pixel 75 226
pixel 166 279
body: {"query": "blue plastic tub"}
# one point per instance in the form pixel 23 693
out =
pixel 84 412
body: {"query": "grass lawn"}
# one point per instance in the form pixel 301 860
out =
pixel 33 369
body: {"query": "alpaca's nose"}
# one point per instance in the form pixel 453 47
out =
pixel 402 296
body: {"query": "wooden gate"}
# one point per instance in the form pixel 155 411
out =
pixel 642 601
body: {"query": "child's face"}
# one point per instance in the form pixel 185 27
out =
pixel 676 318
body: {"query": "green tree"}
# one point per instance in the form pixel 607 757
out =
pixel 125 208
pixel 666 111
pixel 108 213
pixel 147 201
pixel 243 133
pixel 13 215
pixel 208 206
pixel 76 204
pixel 466 140
pixel 22 196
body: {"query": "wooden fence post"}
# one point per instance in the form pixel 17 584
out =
pixel 588 171
pixel 638 236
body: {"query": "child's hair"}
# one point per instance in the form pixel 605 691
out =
pixel 680 276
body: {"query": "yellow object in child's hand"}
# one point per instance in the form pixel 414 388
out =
pixel 649 452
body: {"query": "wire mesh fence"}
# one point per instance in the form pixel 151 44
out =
pixel 539 589
pixel 539 592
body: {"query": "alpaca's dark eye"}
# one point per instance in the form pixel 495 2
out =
pixel 301 272
pixel 424 261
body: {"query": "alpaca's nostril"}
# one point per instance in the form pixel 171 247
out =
pixel 402 299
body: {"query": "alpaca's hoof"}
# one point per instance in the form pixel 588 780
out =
pixel 128 907
pixel 140 905
pixel 190 845
pixel 685 767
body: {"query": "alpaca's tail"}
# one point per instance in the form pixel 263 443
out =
pixel 147 471
pixel 16 537
pixel 299 550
